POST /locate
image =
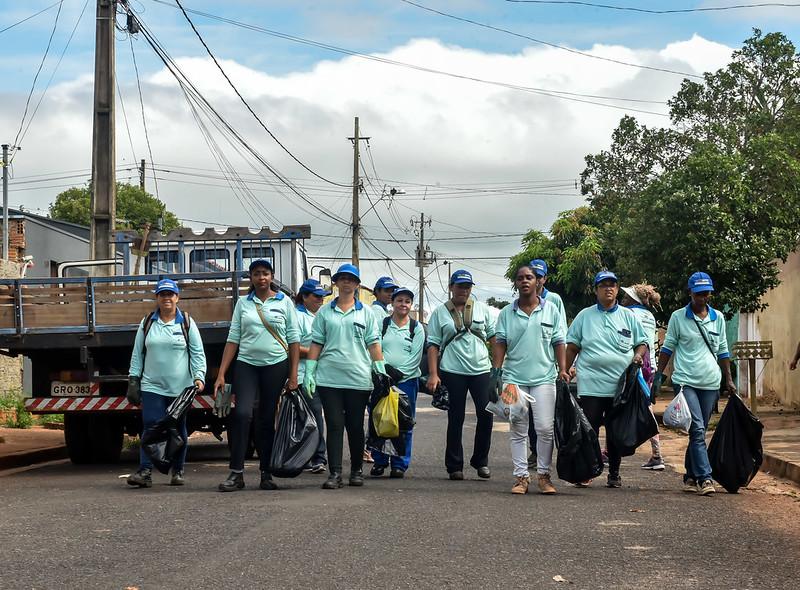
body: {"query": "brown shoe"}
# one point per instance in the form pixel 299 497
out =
pixel 545 485
pixel 521 485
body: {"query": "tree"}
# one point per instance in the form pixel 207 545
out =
pixel 135 207
pixel 498 303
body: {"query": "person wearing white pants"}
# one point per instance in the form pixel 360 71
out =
pixel 530 343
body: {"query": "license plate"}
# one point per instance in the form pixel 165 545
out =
pixel 62 389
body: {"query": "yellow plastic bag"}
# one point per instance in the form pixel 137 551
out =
pixel 384 415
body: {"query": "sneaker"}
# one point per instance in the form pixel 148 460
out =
pixel 654 464
pixel 317 468
pixel 234 482
pixel 521 485
pixel 142 478
pixel 397 473
pixel 177 478
pixel 614 480
pixel 334 481
pixel 456 475
pixel 706 488
pixel 532 460
pixel 377 471
pixel 689 485
pixel 368 457
pixel 546 485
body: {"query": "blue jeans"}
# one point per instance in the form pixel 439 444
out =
pixel 154 407
pixel 410 388
pixel 701 403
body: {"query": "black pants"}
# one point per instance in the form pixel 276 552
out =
pixel 316 408
pixel 344 410
pixel 265 385
pixel 478 387
pixel 596 410
pixel 532 433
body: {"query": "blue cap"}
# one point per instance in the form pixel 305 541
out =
pixel 166 285
pixel 385 283
pixel 460 277
pixel 403 291
pixel 347 269
pixel 700 282
pixel 603 275
pixel 539 267
pixel 261 262
pixel 314 287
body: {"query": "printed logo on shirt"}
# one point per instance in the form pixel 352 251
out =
pixel 625 339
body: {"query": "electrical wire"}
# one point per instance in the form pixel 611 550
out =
pixel 665 11
pixel 35 14
pixel 144 119
pixel 125 118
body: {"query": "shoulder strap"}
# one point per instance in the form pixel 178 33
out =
pixel 185 327
pixel 386 321
pixel 468 310
pixel 705 338
pixel 147 323
pixel 270 328
pixel 412 327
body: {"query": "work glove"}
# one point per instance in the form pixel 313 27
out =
pixel 134 394
pixel 379 367
pixel 656 387
pixel 309 379
pixel 495 384
pixel 222 402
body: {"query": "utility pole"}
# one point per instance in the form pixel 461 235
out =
pixel 356 224
pixel 103 194
pixel 424 259
pixel 5 201
pixel 141 175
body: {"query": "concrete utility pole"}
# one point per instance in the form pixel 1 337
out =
pixel 424 259
pixel 141 174
pixel 5 201
pixel 356 224
pixel 103 194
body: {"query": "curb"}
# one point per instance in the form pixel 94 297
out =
pixel 780 467
pixel 25 458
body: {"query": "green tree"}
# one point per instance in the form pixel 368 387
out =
pixel 135 207
pixel 498 303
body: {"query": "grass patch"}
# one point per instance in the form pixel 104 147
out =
pixel 131 443
pixel 50 419
pixel 21 418
pixel 9 399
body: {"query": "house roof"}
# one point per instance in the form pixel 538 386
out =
pixel 75 229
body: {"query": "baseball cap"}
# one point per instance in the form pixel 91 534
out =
pixel 603 275
pixel 166 285
pixel 347 269
pixel 700 282
pixel 403 291
pixel 539 267
pixel 460 277
pixel 261 262
pixel 385 283
pixel 314 287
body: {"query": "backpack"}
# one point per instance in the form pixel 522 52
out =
pixel 423 361
pixel 411 328
pixel 147 322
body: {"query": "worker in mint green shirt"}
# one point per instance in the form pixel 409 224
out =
pixel 345 350
pixel 458 359
pixel 698 346
pixel 264 338
pixel 307 303
pixel 383 290
pixel 166 359
pixel 606 338
pixel 530 344
pixel 402 341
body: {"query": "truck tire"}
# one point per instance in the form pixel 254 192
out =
pixel 106 434
pixel 76 437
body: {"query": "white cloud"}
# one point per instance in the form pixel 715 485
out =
pixel 424 128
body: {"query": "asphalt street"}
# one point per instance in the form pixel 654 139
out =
pixel 64 526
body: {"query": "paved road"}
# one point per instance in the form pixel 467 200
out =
pixel 64 526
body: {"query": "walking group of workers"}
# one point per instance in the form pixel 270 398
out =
pixel 331 351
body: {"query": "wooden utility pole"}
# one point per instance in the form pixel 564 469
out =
pixel 141 174
pixel 356 224
pixel 5 202
pixel 424 259
pixel 103 194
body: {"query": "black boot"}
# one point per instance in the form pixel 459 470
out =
pixel 356 478
pixel 142 478
pixel 334 481
pixel 266 481
pixel 234 482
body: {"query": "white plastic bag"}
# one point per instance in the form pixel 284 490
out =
pixel 677 414
pixel 512 405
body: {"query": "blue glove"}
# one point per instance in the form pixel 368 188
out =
pixel 309 381
pixel 495 384
pixel 379 367
pixel 656 387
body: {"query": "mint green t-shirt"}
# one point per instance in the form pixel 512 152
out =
pixel 305 319
pixel 606 340
pixel 345 337
pixel 693 362
pixel 465 354
pixel 648 321
pixel 555 298
pixel 529 339
pixel 401 351
pixel 256 345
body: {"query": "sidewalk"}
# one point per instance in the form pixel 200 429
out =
pixel 22 447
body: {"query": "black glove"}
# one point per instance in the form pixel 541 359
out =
pixel 495 385
pixel 134 394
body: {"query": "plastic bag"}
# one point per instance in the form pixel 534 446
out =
pixel 579 457
pixel 630 423
pixel 677 414
pixel 384 415
pixel 405 419
pixel 162 442
pixel 512 405
pixel 735 451
pixel 296 435
pixel 441 398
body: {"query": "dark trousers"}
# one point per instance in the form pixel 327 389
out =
pixel 532 433
pixel 316 407
pixel 154 407
pixel 478 387
pixel 596 409
pixel 251 383
pixel 344 410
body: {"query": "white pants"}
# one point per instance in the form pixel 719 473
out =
pixel 544 410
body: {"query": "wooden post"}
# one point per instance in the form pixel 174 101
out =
pixel 751 369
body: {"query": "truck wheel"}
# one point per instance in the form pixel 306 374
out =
pixel 76 437
pixel 106 434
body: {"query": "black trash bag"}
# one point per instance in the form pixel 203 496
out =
pixel 381 384
pixel 629 422
pixel 735 451
pixel 404 416
pixel 441 398
pixel 394 447
pixel 296 435
pixel 579 457
pixel 162 442
pixel 395 375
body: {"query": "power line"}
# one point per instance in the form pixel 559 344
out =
pixel 144 119
pixel 656 11
pixel 35 14
pixel 547 43
pixel 125 118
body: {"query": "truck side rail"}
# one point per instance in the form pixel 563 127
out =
pixel 85 305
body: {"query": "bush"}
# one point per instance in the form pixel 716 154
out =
pixel 22 417
pixel 50 419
